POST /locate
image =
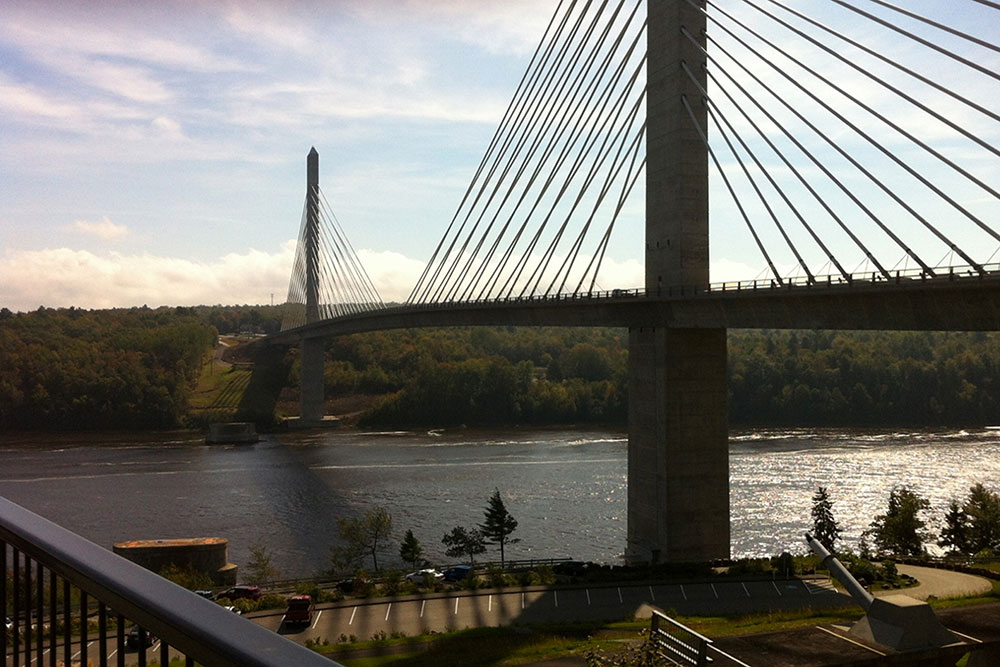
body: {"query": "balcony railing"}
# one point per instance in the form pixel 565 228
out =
pixel 69 601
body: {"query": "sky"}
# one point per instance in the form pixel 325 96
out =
pixel 154 152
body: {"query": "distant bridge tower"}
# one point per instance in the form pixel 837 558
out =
pixel 678 456
pixel 312 349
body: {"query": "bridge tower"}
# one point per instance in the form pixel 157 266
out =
pixel 678 456
pixel 312 350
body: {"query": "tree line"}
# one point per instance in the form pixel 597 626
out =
pixel 113 369
pixel 134 368
pixel 366 536
pixel 971 526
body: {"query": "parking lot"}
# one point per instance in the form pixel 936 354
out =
pixel 416 614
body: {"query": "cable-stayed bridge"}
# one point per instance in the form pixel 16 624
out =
pixel 851 144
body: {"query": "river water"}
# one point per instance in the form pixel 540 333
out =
pixel 566 488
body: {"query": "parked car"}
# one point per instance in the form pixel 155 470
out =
pixel 240 592
pixel 139 638
pixel 205 594
pixel 420 576
pixel 300 610
pixel 457 573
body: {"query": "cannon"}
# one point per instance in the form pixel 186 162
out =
pixel 897 621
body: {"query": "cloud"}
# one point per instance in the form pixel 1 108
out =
pixel 102 229
pixel 64 277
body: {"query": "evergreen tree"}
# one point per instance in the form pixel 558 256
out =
pixel 825 528
pixel 498 524
pixel 410 550
pixel 955 533
pixel 983 510
pixel 900 530
pixel 461 542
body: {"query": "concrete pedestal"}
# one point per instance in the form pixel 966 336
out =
pixel 678 449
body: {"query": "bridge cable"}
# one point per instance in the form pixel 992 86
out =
pixel 763 135
pixel 760 166
pixel 363 281
pixel 832 143
pixel 604 98
pixel 866 72
pixel 463 292
pixel 889 61
pixel 805 151
pixel 613 171
pixel 522 264
pixel 736 200
pixel 514 103
pixel 889 191
pixel 536 119
pixel 921 40
pixel 939 26
pixel 716 114
pixel 510 283
pixel 633 147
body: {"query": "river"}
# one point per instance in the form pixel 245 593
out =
pixel 566 488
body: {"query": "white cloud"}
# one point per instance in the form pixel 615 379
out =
pixel 102 229
pixel 64 277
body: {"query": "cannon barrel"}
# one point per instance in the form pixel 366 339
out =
pixel 840 573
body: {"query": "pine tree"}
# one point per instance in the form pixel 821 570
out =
pixel 955 533
pixel 410 550
pixel 498 524
pixel 983 511
pixel 825 528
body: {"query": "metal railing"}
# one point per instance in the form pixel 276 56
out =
pixel 690 648
pixel 58 588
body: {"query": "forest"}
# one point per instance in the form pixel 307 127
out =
pixel 136 368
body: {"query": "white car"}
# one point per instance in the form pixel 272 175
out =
pixel 420 576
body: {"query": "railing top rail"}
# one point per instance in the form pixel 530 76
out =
pixel 681 626
pixel 197 627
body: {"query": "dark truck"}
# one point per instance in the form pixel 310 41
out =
pixel 299 612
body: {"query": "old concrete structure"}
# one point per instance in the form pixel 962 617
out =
pixel 206 555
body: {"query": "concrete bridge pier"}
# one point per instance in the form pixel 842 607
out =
pixel 678 446
pixel 678 456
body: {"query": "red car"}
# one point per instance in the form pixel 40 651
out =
pixel 300 610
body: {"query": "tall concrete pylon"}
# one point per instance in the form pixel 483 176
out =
pixel 678 454
pixel 312 350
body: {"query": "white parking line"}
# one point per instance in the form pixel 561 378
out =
pixel 490 605
pixel 588 597
pixel 456 606
pixel 745 589
pixel 387 610
pixel 864 646
pixel 422 603
pixel 682 591
pixel 714 591
pixel 620 597
pixel 522 600
pixel 351 622
pixel 651 596
pixel 556 597
pixel 776 589
pixel 316 620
